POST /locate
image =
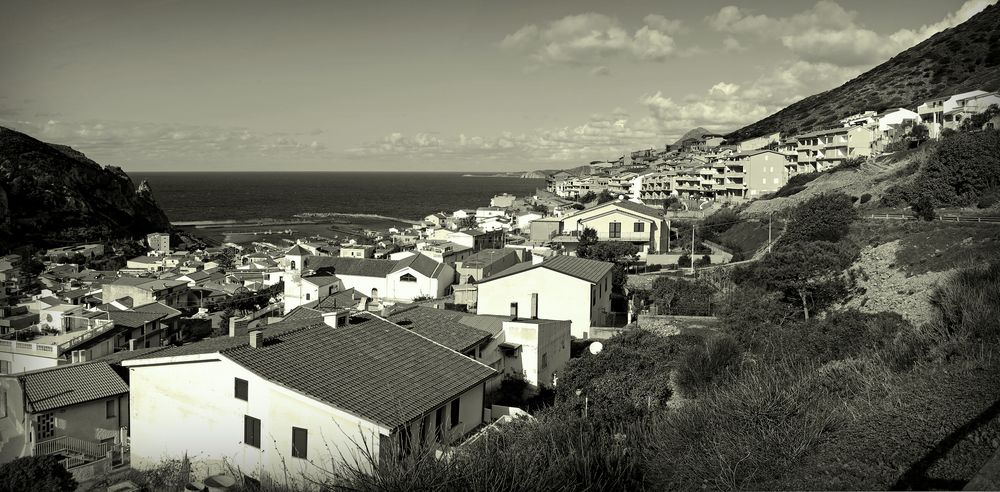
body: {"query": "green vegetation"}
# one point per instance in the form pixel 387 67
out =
pixel 36 473
pixel 796 184
pixel 621 253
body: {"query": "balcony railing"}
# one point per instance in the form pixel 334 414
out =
pixel 623 236
pixel 100 326
pixel 63 444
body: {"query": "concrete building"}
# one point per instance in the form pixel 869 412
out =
pixel 558 288
pixel 824 149
pixel 78 412
pixel 173 293
pixel 746 175
pixel 357 251
pixel 484 264
pixel 159 242
pixel 617 220
pixel 266 404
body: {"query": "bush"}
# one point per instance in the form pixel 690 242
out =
pixel 825 217
pixel 989 198
pixel 961 169
pixel 865 198
pixel 703 261
pixel 923 208
pixel 706 362
pixel 36 473
pixel 684 261
pixel 968 305
pixel 897 195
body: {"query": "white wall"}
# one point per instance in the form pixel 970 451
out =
pixel 560 297
pixel 191 408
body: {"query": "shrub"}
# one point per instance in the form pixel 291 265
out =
pixel 865 198
pixel 961 169
pixel 703 363
pixel 897 195
pixel 796 184
pixel 990 198
pixel 923 208
pixel 825 217
pixel 684 261
pixel 36 473
pixel 968 305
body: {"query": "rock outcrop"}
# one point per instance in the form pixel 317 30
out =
pixel 53 194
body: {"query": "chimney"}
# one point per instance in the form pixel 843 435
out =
pixel 336 318
pixel 513 311
pixel 131 345
pixel 256 339
pixel 534 305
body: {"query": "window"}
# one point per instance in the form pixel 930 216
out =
pixel 251 431
pixel 438 424
pixel 639 227
pixel 110 409
pixel 45 426
pixel 615 230
pixel 4 367
pixel 300 441
pixel 307 296
pixel 242 390
pixel 455 407
pixel 593 296
pixel 407 278
pixel 545 360
pixel 3 404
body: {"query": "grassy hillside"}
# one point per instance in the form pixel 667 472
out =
pixel 963 58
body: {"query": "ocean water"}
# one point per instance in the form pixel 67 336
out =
pixel 214 196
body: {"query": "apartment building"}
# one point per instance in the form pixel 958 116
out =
pixel 823 149
pixel 932 112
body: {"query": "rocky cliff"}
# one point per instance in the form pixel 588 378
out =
pixel 51 194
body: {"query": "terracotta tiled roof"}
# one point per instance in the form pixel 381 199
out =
pixel 131 319
pixel 361 267
pixel 71 384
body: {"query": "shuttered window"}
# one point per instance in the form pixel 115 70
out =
pixel 242 390
pixel 251 431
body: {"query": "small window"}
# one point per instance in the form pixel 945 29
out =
pixel 307 296
pixel 439 424
pixel 545 360
pixel 4 367
pixel 407 278
pixel 242 390
pixel 251 431
pixel 110 409
pixel 455 414
pixel 300 442
pixel 639 227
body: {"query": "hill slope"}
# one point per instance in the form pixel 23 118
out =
pixel 959 59
pixel 52 194
pixel 693 133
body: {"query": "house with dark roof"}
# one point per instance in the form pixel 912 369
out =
pixel 77 411
pixel 405 279
pixel 558 288
pixel 302 395
pixel 617 220
pixel 485 263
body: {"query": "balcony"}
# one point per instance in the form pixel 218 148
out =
pixel 633 237
pixel 53 346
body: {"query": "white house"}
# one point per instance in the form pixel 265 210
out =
pixel 525 219
pixel 301 396
pixel 405 279
pixel 558 288
pixel 617 220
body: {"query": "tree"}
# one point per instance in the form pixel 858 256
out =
pixel 919 133
pixel 960 169
pixel 36 473
pixel 587 197
pixel 605 197
pixel 671 203
pixel 681 297
pixel 825 217
pixel 467 222
pixel 540 208
pixel 684 261
pixel 808 271
pixel 587 239
pixel 923 208
pixel 227 258
pixel 622 254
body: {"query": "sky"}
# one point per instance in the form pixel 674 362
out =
pixel 432 85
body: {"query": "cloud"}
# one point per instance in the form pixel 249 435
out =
pixel 732 45
pixel 117 142
pixel 600 70
pixel 592 39
pixel 603 136
pixel 828 33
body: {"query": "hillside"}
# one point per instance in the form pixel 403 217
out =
pixel 693 133
pixel 52 194
pixel 960 59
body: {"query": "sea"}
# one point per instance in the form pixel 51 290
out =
pixel 366 199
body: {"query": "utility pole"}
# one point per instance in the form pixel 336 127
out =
pixel 668 235
pixel 692 249
pixel 769 231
